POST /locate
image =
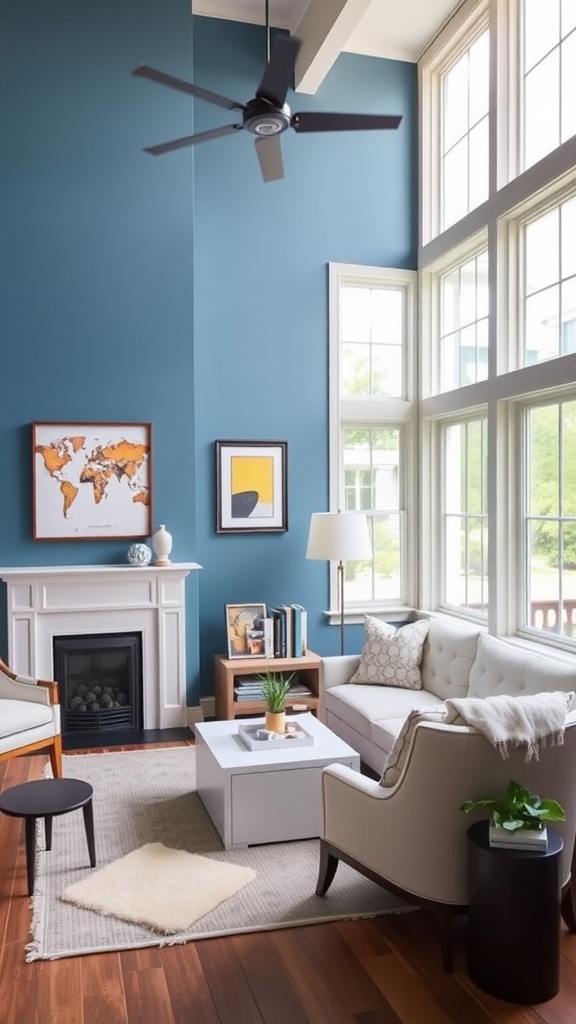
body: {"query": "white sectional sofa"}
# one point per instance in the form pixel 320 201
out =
pixel 457 661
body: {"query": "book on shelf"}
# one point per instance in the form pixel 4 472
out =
pixel 268 637
pixel 279 632
pixel 286 610
pixel 300 629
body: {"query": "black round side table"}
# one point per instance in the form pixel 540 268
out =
pixel 46 799
pixel 514 918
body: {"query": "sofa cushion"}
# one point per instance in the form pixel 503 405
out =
pixel 391 658
pixel 19 715
pixel 501 668
pixel 371 710
pixel 449 653
pixel 399 754
pixel 385 732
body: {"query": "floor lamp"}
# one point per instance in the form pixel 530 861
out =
pixel 339 537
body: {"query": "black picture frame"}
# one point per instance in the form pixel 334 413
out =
pixel 251 487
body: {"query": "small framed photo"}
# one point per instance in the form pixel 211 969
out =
pixel 91 481
pixel 245 630
pixel 251 487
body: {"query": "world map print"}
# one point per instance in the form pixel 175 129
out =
pixel 91 485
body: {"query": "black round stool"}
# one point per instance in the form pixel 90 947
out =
pixel 46 799
pixel 514 918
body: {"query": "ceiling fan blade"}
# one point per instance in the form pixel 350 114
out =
pixel 160 77
pixel 269 153
pixel 279 71
pixel 313 121
pixel 191 140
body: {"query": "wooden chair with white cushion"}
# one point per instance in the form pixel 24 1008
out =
pixel 408 834
pixel 29 717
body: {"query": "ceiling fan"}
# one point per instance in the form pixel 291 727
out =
pixel 267 115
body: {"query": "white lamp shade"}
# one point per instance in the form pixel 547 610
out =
pixel 339 537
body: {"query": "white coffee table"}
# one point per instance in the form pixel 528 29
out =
pixel 265 796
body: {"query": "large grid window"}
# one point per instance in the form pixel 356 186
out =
pixel 372 438
pixel 465 132
pixel 464 323
pixel 497 406
pixel 464 452
pixel 549 246
pixel 549 75
pixel 372 466
pixel 372 343
pixel 550 520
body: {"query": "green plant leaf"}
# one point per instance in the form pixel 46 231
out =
pixel 518 808
pixel 275 689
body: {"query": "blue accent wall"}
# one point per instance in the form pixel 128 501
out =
pixel 181 290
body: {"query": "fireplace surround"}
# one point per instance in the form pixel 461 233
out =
pixel 100 677
pixel 44 602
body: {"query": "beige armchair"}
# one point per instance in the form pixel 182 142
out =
pixel 412 838
pixel 29 717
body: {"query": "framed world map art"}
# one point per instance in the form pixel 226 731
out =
pixel 91 481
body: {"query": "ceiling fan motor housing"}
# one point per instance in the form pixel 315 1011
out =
pixel 263 118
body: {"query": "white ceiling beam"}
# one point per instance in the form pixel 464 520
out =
pixel 323 31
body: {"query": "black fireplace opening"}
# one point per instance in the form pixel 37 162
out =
pixel 101 681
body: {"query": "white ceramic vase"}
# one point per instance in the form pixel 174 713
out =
pixel 162 545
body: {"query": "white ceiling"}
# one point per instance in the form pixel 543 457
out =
pixel 325 28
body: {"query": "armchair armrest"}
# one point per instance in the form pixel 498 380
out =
pixel 21 687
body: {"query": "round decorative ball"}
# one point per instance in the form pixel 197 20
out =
pixel 139 554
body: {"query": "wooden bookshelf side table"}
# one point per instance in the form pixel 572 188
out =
pixel 226 670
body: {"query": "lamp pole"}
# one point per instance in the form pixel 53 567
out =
pixel 341 602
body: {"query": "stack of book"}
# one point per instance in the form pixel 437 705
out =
pixel 249 688
pixel 289 631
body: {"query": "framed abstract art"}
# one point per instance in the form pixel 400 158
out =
pixel 251 487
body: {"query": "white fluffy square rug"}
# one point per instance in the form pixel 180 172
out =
pixel 158 887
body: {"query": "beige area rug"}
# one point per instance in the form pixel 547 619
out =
pixel 147 797
pixel 164 889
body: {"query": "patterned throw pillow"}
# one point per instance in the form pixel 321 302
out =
pixel 399 754
pixel 391 658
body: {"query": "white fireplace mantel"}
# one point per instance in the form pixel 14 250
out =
pixel 56 600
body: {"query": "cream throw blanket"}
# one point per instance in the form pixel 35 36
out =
pixel 533 721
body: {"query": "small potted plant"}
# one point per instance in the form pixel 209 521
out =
pixel 518 817
pixel 275 688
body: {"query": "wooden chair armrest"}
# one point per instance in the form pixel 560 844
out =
pixel 7 671
pixel 50 684
pixel 53 689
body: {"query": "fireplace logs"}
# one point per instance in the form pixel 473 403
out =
pixel 97 705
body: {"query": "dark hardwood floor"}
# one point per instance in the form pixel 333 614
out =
pixel 379 971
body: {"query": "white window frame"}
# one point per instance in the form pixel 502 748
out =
pixel 443 604
pixel 378 413
pixel 513 197
pixel 467 24
pixel 520 410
